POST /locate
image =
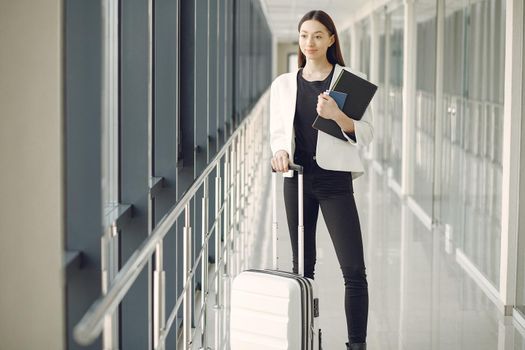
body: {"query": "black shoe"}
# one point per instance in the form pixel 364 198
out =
pixel 356 346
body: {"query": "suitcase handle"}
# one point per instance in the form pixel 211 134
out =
pixel 300 228
pixel 294 167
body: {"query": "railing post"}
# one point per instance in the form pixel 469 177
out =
pixel 247 182
pixel 239 199
pixel 218 257
pixel 244 196
pixel 233 207
pixel 248 214
pixel 109 254
pixel 246 192
pixel 159 296
pixel 238 206
pixel 204 264
pixel 227 198
pixel 187 305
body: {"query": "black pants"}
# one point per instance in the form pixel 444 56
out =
pixel 333 192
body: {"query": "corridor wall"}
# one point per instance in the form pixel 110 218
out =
pixel 455 145
pixel 154 90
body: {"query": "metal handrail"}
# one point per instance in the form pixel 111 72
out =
pixel 91 324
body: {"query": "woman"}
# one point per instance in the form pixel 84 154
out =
pixel 329 163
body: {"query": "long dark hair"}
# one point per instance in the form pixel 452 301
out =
pixel 333 54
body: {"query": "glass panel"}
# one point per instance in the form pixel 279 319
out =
pixel 364 47
pixel 472 130
pixel 395 97
pixel 451 197
pixel 344 43
pixel 520 295
pixel 520 298
pixel 292 62
pixel 425 105
pixel 381 125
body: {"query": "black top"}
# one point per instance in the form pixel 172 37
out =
pixel 305 114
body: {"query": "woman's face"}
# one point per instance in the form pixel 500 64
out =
pixel 314 39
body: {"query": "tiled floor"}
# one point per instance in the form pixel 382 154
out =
pixel 420 298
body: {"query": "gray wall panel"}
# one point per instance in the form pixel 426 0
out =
pixel 187 110
pixel 134 162
pixel 83 156
pixel 213 63
pixel 165 146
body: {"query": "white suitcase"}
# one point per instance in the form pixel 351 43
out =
pixel 272 309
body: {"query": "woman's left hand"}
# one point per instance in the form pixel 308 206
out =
pixel 326 106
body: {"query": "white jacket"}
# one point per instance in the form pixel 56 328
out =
pixel 331 152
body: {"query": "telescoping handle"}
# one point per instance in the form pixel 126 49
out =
pixel 300 228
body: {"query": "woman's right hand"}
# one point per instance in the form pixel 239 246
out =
pixel 280 161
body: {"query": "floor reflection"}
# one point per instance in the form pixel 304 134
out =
pixel 420 297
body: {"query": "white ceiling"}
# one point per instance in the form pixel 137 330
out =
pixel 284 15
